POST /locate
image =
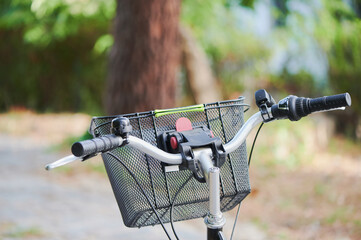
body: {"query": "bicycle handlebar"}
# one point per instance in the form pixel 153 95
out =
pixel 294 108
pixel 291 107
pixel 84 149
pixel 96 145
pixel 330 102
pixel 62 161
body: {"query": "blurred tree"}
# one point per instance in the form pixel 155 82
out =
pixel 145 56
pixel 236 56
pixel 282 11
pixel 339 33
pixel 198 71
pixel 53 54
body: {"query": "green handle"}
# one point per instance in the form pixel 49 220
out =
pixel 194 108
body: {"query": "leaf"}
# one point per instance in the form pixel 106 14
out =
pixel 247 3
pixel 103 44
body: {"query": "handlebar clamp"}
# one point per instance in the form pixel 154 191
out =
pixel 185 141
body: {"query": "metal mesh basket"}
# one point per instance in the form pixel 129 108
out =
pixel 223 118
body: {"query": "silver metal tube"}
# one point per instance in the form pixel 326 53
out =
pixel 211 175
pixel 62 162
pixel 242 134
pixel 214 218
pixel 214 193
pixel 206 164
pixel 153 151
pixel 170 158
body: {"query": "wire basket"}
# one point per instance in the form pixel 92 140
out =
pixel 223 118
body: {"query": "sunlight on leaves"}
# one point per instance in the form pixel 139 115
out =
pixel 103 44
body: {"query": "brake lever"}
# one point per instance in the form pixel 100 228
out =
pixel 62 161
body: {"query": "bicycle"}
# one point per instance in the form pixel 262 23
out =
pixel 184 163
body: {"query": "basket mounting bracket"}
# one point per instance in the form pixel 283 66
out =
pixel 184 142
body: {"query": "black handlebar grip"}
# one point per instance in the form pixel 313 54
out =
pixel 300 107
pixel 96 145
pixel 326 103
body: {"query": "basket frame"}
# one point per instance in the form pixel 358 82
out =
pixel 131 204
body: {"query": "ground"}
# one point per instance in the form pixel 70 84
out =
pixel 310 191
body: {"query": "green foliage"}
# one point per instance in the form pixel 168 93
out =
pixel 344 49
pixel 298 64
pixel 46 21
pixel 103 44
pixel 298 83
pixel 234 54
pixel 330 31
pixel 339 34
pixel 247 3
pixel 54 54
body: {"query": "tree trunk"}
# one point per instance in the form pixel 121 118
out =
pixel 145 56
pixel 199 74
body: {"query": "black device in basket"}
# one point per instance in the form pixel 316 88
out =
pixel 160 184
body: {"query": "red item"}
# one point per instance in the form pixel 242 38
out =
pixel 174 143
pixel 183 124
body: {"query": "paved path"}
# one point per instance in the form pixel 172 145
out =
pixel 36 204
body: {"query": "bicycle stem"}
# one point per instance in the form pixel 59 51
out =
pixel 214 219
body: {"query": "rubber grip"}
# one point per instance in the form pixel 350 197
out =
pixel 330 102
pixel 96 145
pixel 300 107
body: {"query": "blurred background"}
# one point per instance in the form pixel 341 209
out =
pixel 62 62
